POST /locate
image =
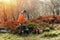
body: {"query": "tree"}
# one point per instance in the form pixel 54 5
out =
pixel 55 5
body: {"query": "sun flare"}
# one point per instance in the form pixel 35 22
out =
pixel 5 1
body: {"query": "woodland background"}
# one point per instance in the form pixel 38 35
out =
pixel 35 8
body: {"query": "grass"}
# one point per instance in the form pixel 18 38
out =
pixel 8 36
pixel 51 35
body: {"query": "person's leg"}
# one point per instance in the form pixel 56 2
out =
pixel 20 28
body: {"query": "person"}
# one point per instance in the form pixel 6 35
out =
pixel 21 19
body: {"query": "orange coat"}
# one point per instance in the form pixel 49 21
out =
pixel 21 18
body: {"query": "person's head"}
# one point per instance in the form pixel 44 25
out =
pixel 24 11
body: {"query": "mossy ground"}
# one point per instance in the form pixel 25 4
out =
pixel 9 36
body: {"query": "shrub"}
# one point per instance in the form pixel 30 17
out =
pixel 12 25
pixel 35 28
pixel 31 26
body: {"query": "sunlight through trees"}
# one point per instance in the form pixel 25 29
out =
pixel 35 8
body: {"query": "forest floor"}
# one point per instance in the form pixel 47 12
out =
pixel 9 36
pixel 51 35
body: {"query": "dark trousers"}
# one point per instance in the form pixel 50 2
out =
pixel 21 27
